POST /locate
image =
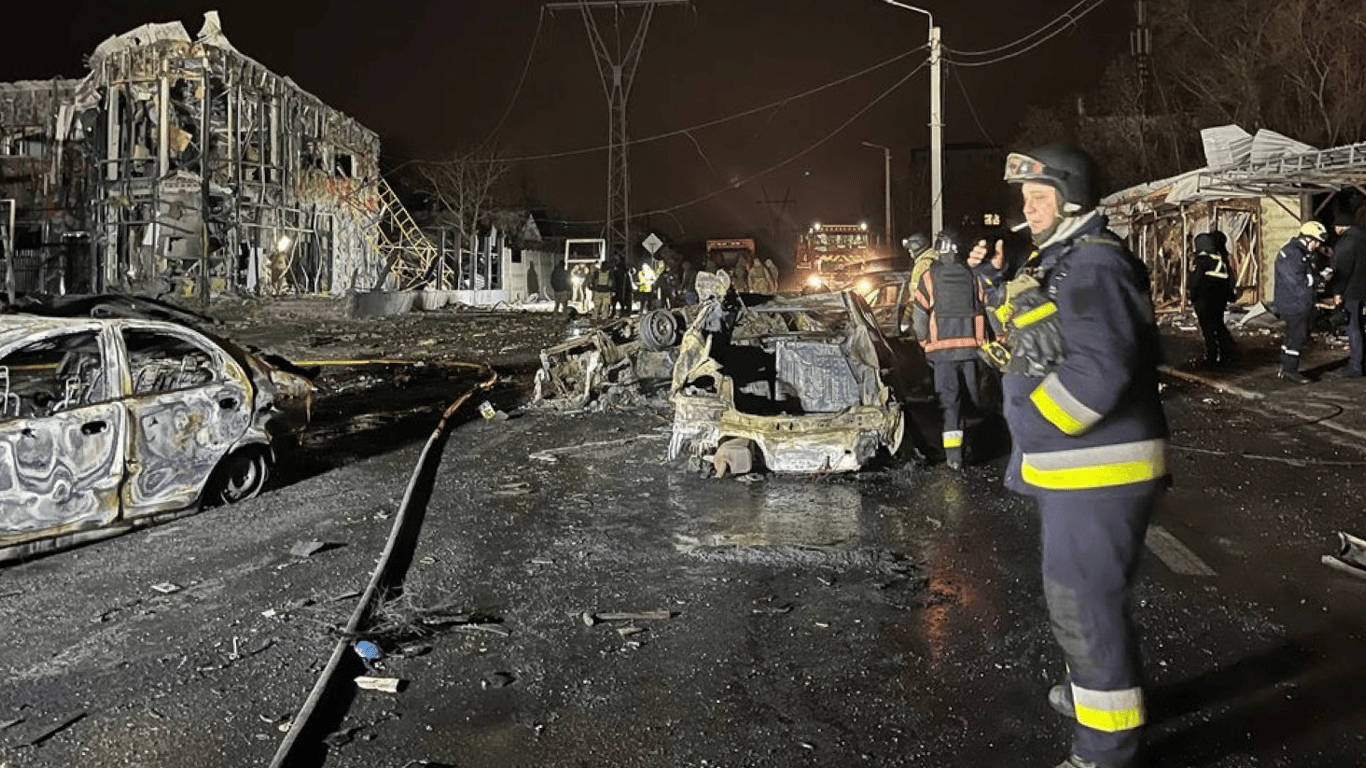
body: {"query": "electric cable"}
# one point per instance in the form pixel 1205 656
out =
pixel 971 109
pixel 526 67
pixel 708 124
pixel 1031 46
pixel 1064 16
pixel 770 169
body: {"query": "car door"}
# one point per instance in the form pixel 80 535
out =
pixel 189 404
pixel 61 435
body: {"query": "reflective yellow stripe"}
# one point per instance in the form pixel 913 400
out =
pixel 953 439
pixel 1109 711
pixel 1041 312
pixel 1098 467
pixel 1061 408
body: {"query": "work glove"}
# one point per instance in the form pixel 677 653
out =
pixel 995 354
pixel 1032 331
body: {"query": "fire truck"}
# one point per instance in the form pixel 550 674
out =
pixel 828 253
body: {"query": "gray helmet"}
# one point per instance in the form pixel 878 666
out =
pixel 916 243
pixel 948 242
pixel 1066 168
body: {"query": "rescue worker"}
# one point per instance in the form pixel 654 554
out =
pixel 1348 285
pixel 602 282
pixel 922 255
pixel 763 278
pixel 1210 287
pixel 645 286
pixel 1296 284
pixel 560 286
pixel 989 272
pixel 951 325
pixel 1088 439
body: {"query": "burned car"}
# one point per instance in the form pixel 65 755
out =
pixel 810 381
pixel 109 424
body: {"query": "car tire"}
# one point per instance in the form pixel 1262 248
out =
pixel 658 330
pixel 241 476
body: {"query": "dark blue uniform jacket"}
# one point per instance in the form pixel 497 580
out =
pixel 1095 422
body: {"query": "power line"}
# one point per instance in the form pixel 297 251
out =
pixel 1033 45
pixel 971 109
pixel 710 123
pixel 838 129
pixel 526 67
pixel 1064 16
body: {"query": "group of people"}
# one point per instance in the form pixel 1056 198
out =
pixel 1300 280
pixel 612 289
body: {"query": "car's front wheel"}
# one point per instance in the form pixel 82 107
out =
pixel 241 476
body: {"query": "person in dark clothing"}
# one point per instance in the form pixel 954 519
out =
pixel 561 286
pixel 1089 440
pixel 624 291
pixel 1348 285
pixel 950 322
pixel 1210 287
pixel 1296 284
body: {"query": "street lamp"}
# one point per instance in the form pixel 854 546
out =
pixel 886 192
pixel 936 123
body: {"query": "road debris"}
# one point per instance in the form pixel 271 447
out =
pixel 382 684
pixel 167 588
pixel 497 680
pixel 1351 556
pixel 590 618
pixel 307 548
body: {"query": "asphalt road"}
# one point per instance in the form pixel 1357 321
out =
pixel 890 618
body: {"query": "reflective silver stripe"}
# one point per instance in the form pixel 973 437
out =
pixel 1294 352
pixel 1109 711
pixel 1078 417
pixel 1102 466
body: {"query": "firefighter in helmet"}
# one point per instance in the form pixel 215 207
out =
pixel 1080 356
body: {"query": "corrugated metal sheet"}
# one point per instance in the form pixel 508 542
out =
pixel 1226 146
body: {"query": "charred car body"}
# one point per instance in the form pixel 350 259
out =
pixel 800 377
pixel 108 424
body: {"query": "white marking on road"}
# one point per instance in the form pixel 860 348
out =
pixel 1175 554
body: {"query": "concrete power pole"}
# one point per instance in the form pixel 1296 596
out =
pixel 617 69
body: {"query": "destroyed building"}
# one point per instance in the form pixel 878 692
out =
pixel 181 165
pixel 1256 189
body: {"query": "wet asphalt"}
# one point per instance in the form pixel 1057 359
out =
pixel 889 618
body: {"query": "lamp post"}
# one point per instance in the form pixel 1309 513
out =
pixel 936 123
pixel 886 193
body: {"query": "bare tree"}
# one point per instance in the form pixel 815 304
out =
pixel 462 189
pixel 1294 66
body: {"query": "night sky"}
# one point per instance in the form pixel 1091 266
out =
pixel 435 77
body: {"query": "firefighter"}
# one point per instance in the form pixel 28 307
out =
pixel 1080 355
pixel 951 325
pixel 1211 289
pixel 922 255
pixel 1296 284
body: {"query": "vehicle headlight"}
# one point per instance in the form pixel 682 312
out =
pixel 864 286
pixel 815 281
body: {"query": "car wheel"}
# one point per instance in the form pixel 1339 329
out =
pixel 658 330
pixel 241 476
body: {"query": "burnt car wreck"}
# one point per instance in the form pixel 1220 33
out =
pixel 801 379
pixel 109 424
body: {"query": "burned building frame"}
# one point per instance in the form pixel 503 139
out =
pixel 181 164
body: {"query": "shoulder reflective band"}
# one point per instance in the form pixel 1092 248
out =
pixel 1102 466
pixel 953 439
pixel 1041 312
pixel 1061 408
pixel 1109 711
pixel 1220 268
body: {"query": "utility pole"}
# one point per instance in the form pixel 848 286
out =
pixel 617 69
pixel 936 122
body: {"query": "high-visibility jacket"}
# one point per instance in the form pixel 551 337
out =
pixel 1095 421
pixel 949 318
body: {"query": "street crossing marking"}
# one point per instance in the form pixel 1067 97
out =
pixel 1175 554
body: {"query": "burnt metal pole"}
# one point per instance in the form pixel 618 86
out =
pixel 886 193
pixel 204 193
pixel 617 69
